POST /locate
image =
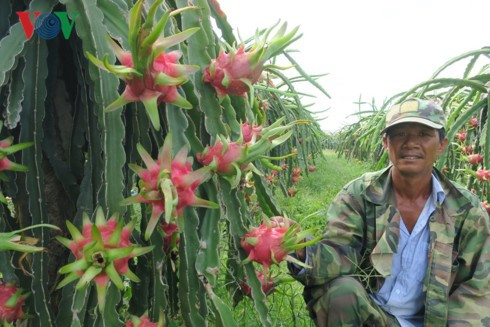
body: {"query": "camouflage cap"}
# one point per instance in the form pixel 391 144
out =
pixel 415 111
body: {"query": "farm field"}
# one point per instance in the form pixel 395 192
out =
pixel 145 147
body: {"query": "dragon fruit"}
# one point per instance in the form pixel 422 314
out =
pixel 233 158
pixel 251 133
pixel 168 185
pixel 467 149
pixel 474 122
pixel 461 136
pixel 292 191
pixel 11 299
pixel 268 285
pixel 483 175
pixel 102 252
pixel 151 76
pixel 267 245
pixel 236 71
pixel 311 168
pixel 171 239
pixel 144 321
pixel 486 206
pixel 475 159
pixel 6 149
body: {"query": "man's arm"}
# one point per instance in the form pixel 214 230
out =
pixel 339 251
pixel 469 298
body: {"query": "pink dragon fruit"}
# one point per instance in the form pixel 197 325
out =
pixel 168 185
pixel 11 299
pixel 236 71
pixel 233 158
pixel 292 191
pixel 6 149
pixel 171 239
pixel 151 76
pixel 483 175
pixel 474 122
pixel 461 136
pixel 102 252
pixel 486 206
pixel 251 133
pixel 268 285
pixel 467 149
pixel 267 245
pixel 475 159
pixel 311 168
pixel 144 321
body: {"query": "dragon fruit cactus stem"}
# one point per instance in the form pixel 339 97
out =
pixel 151 76
pixel 169 184
pixel 102 252
pixel 11 299
pixel 236 71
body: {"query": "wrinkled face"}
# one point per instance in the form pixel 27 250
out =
pixel 413 148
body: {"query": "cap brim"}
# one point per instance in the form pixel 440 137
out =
pixel 418 120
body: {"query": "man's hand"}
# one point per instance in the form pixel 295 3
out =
pixel 279 221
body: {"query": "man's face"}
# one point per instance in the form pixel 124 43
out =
pixel 413 148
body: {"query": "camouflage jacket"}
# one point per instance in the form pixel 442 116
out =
pixel 362 233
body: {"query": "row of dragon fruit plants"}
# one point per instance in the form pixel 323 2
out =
pixel 113 205
pixel 465 100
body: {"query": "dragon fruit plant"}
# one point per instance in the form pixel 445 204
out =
pixel 11 299
pixel 234 157
pixel 235 72
pixel 269 245
pixel 169 184
pixel 151 75
pixel 144 321
pixel 102 252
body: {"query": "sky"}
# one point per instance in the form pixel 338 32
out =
pixel 369 48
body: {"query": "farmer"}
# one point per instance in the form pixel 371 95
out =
pixel 404 245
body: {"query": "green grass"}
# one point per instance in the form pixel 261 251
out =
pixel 315 193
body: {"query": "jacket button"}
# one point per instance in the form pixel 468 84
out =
pixel 432 218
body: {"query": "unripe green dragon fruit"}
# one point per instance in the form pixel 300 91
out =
pixel 144 321
pixel 11 299
pixel 236 71
pixel 102 252
pixel 151 75
pixel 168 184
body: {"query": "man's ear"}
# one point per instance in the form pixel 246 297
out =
pixel 443 146
pixel 385 142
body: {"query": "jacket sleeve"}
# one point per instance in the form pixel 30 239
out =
pixel 338 252
pixel 469 297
